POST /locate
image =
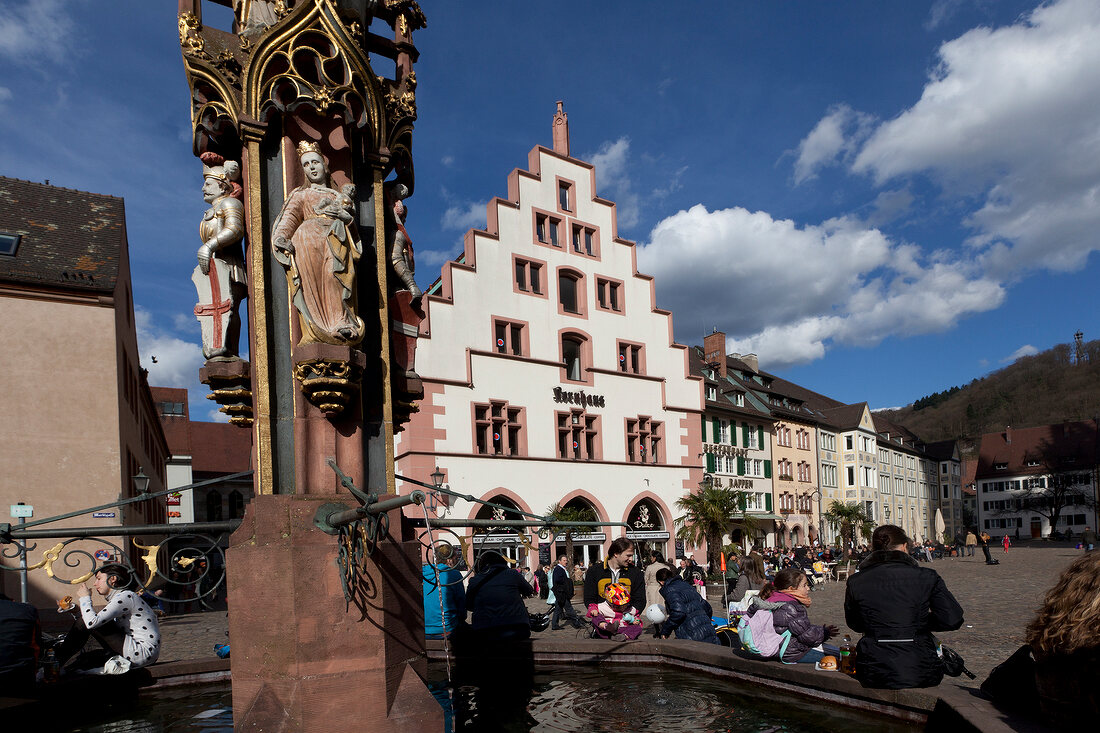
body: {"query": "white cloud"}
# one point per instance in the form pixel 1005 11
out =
pixel 786 292
pixel 177 361
pixel 941 11
pixel 5 94
pixel 447 160
pixel 834 138
pixel 216 415
pixel 1009 117
pixel 435 257
pixel 464 216
pixel 1025 350
pixel 36 29
pixel 613 180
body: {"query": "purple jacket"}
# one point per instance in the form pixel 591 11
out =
pixel 790 615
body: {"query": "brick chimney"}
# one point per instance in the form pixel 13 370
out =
pixel 561 131
pixel 714 350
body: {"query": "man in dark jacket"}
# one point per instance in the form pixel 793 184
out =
pixel 20 642
pixel 618 568
pixel 561 582
pixel 896 604
pixel 689 616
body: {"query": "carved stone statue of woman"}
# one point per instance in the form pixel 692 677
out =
pixel 315 240
pixel 220 275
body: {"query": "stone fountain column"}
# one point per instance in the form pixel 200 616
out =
pixel 326 631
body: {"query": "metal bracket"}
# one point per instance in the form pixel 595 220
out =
pixel 325 513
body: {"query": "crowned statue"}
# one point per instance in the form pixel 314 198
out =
pixel 397 239
pixel 220 275
pixel 315 239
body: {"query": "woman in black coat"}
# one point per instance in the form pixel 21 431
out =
pixel 495 597
pixel 689 616
pixel 896 604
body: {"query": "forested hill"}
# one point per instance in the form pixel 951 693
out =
pixel 1034 390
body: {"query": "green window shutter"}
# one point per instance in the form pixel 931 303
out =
pixel 710 463
pixel 767 469
pixel 767 502
pixel 740 466
pixel 716 431
pixel 733 432
pixel 743 502
pixel 761 436
pixel 745 434
pixel 703 418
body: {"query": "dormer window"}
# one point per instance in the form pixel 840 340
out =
pixel 712 393
pixel 1000 466
pixel 9 243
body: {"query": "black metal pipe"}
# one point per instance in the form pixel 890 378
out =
pixel 340 519
pixel 517 523
pixel 125 531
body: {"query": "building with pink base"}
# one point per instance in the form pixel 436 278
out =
pixel 550 376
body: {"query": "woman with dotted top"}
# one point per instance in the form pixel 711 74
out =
pixel 126 626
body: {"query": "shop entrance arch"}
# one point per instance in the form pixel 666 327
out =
pixel 648 527
pixel 505 540
pixel 587 545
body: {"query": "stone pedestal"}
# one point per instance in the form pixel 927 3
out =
pixel 303 658
pixel 230 382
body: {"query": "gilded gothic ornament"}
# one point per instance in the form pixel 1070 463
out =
pixel 330 383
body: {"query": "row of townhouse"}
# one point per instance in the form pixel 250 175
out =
pixel 814 450
pixel 1024 478
pixel 551 378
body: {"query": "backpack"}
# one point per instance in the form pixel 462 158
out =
pixel 759 637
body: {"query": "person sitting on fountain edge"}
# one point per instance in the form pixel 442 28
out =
pixel 689 616
pixel 615 618
pixel 618 568
pixel 20 642
pixel 126 626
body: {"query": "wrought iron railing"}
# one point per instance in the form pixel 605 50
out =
pixel 187 563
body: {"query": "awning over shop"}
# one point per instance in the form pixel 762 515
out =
pixel 776 517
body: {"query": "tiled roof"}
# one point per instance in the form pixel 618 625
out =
pixel 844 417
pixel 68 239
pixel 1064 446
pixel 220 448
pixel 941 450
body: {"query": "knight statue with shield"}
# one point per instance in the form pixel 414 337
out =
pixel 220 275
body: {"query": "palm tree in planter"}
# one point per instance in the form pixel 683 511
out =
pixel 708 514
pixel 565 515
pixel 849 517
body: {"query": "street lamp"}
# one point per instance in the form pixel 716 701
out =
pixel 435 501
pixel 141 482
pixel 886 513
pixel 707 482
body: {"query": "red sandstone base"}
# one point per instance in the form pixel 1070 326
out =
pixel 303 660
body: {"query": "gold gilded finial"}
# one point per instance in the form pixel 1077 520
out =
pixel 307 146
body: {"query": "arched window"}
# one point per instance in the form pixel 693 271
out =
pixel 572 353
pixel 571 294
pixel 236 504
pixel 213 506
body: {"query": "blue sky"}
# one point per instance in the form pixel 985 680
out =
pixel 880 199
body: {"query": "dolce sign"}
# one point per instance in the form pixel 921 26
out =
pixel 578 398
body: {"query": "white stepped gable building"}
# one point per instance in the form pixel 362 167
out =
pixel 550 376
